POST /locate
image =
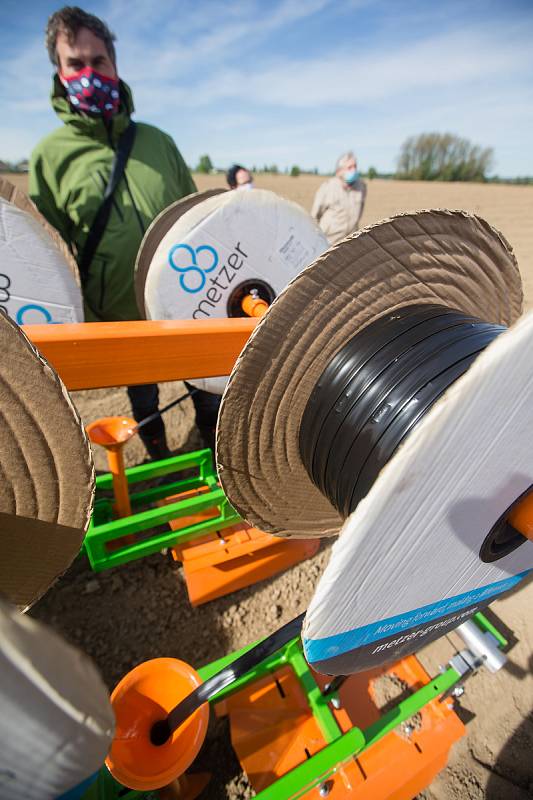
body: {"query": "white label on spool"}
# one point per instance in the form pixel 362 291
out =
pixel 201 261
pixel 36 284
pixel 406 567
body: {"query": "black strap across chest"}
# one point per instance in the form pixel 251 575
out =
pixel 122 153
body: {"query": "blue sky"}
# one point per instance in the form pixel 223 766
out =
pixel 297 81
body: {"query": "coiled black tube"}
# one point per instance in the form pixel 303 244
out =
pixel 376 389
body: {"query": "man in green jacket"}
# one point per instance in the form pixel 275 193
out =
pixel 70 169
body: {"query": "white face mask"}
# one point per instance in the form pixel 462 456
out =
pixel 244 187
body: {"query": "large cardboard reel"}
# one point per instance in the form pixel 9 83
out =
pixel 407 566
pixel 216 249
pixel 39 281
pixel 56 723
pixel 46 472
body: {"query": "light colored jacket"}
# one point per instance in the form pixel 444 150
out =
pixel 338 208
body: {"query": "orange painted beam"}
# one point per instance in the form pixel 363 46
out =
pixel 99 354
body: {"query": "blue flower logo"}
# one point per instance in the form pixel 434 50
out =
pixel 192 264
pixel 23 310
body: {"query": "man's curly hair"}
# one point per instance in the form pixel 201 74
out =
pixel 69 20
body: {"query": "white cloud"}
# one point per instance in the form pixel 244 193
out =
pixel 358 78
pixel 209 34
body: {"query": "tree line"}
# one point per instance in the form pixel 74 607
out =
pixel 443 157
pixel 205 166
pixel 426 157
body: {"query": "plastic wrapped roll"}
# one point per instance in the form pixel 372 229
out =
pixel 216 250
pixel 39 281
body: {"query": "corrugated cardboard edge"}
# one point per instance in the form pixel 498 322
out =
pixel 344 290
pixel 21 200
pixel 156 231
pixel 53 411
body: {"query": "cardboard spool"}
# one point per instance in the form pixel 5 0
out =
pixel 218 254
pixel 202 256
pixel 47 484
pixel 56 723
pixel 407 566
pixel 39 280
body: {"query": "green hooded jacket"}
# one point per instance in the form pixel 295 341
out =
pixel 69 171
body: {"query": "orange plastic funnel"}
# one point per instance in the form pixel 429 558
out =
pixel 109 431
pixel 143 697
pixel 113 433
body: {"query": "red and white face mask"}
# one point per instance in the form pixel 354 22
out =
pixel 92 92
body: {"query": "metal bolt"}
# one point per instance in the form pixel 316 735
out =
pixel 408 729
pixel 458 691
pixel 336 702
pixel 325 788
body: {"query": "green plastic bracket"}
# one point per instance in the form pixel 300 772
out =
pixel 340 748
pixel 105 787
pixel 289 655
pixel 485 625
pixel 324 764
pixel 104 529
pixel 319 704
pixel 315 770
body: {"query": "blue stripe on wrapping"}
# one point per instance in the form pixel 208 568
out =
pixel 330 646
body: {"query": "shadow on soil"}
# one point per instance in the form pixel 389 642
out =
pixel 512 773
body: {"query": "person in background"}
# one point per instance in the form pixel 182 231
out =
pixel 239 178
pixel 69 173
pixel 339 203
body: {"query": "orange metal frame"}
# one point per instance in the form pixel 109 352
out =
pixel 96 355
pixel 273 730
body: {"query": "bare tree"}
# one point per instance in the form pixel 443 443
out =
pixel 443 157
